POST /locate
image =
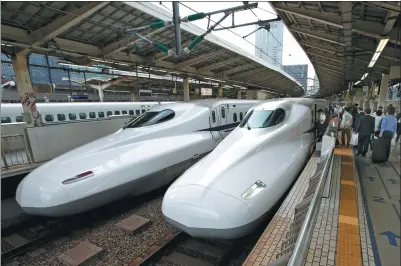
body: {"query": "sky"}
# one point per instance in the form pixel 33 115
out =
pixel 292 52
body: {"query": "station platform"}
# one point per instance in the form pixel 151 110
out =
pixel 358 223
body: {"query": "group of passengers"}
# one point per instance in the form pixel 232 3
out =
pixel 352 119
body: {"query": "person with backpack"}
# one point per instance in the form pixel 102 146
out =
pixel 346 125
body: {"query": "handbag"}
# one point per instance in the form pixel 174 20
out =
pixel 354 139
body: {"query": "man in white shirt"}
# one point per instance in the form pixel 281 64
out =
pixel 346 125
pixel 378 108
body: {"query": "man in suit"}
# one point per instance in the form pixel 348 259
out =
pixel 357 117
pixel 365 129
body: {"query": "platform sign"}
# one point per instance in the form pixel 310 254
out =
pixel 206 92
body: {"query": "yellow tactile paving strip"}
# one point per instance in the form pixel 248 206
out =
pixel 348 238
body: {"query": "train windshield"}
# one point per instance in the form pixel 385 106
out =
pixel 263 118
pixel 151 118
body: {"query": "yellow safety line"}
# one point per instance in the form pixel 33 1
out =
pixel 348 238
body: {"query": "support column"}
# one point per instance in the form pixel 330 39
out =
pixel 133 96
pixel 239 94
pixel 220 91
pixel 186 89
pixel 25 90
pixel 383 90
pixel 101 93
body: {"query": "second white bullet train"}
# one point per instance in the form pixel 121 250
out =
pixel 228 193
pixel 151 151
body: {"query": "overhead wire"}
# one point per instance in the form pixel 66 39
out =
pixel 274 60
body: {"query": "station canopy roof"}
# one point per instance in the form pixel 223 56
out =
pixel 91 32
pixel 340 38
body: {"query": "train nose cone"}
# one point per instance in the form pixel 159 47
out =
pixel 38 196
pixel 203 212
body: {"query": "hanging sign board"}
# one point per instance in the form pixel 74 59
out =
pixel 206 92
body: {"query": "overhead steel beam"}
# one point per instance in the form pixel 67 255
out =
pixel 346 19
pixel 324 56
pixel 129 40
pixel 386 54
pixel 385 5
pixel 370 29
pixel 62 24
pixel 200 58
pixel 318 35
pixel 328 69
pixel 220 64
pixel 65 46
pixel 236 69
pixel 246 73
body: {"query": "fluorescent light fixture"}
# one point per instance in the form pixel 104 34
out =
pixel 356 83
pixel 215 80
pixel 6 44
pixel 364 76
pixel 379 50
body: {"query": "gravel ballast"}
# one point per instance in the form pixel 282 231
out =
pixel 120 247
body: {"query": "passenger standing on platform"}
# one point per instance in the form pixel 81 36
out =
pixel 357 118
pixel 378 118
pixel 365 129
pixel 398 126
pixel 378 109
pixel 388 127
pixel 346 125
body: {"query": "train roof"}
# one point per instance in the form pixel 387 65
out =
pixel 274 103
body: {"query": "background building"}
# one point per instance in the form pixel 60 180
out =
pixel 271 43
pixel 298 72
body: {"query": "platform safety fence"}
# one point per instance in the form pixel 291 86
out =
pixel 14 151
pixel 296 244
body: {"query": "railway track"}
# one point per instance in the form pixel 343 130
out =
pixel 183 250
pixel 37 231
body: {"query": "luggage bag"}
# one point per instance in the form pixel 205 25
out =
pixel 380 150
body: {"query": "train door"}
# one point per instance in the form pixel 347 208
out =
pixel 214 123
pixel 224 131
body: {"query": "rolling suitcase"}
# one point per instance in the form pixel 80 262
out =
pixel 380 150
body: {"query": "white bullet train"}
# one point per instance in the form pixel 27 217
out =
pixel 149 152
pixel 74 112
pixel 227 194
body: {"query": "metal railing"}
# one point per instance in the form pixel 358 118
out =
pixel 14 151
pixel 296 245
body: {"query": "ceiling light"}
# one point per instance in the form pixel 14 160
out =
pixel 364 76
pixel 356 83
pixel 379 50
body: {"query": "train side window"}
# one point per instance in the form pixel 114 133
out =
pixel 92 115
pixel 109 113
pixel 223 112
pixel 5 120
pixel 143 111
pixel 116 112
pixel 213 117
pixel 100 114
pixel 82 115
pixel 241 116
pixel 124 112
pixel 49 118
pixel 235 117
pixel 131 112
pixel 72 116
pixel 19 118
pixel 137 112
pixel 61 117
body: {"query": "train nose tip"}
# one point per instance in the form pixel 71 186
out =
pixel 37 196
pixel 200 211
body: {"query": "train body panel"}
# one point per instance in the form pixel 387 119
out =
pixel 151 151
pixel 252 158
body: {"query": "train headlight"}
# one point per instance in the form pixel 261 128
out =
pixel 79 177
pixel 253 190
